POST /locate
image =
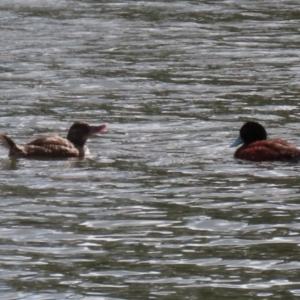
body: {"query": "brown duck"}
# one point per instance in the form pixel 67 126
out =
pixel 54 146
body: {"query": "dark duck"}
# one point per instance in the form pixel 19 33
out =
pixel 256 146
pixel 54 146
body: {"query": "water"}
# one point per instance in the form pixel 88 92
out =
pixel 160 209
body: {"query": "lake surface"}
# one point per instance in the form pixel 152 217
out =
pixel 160 209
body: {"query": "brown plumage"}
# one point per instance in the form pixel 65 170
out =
pixel 54 146
pixel 269 150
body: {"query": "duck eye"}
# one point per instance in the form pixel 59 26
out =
pixel 245 131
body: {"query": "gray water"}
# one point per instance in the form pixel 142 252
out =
pixel 160 209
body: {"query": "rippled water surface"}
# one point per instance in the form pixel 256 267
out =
pixel 160 209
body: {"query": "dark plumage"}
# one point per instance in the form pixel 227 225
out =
pixel 54 146
pixel 256 147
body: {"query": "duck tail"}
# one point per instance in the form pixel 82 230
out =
pixel 6 142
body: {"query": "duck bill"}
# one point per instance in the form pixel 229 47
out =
pixel 237 142
pixel 97 129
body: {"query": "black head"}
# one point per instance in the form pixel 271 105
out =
pixel 252 131
pixel 80 132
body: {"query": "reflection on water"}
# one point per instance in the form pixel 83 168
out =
pixel 160 209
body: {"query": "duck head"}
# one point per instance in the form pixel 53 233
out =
pixel 79 132
pixel 249 133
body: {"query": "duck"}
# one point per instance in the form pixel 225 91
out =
pixel 53 145
pixel 256 147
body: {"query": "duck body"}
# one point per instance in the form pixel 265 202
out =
pixel 256 147
pixel 55 146
pixel 269 150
